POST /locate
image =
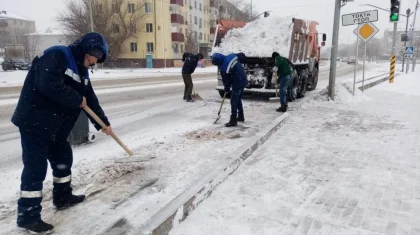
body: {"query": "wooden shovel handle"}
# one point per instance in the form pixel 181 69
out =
pixel 221 105
pixel 102 124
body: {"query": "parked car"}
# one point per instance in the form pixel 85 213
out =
pixel 13 64
pixel 351 60
pixel 345 59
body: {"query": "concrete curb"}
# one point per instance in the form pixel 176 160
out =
pixel 370 84
pixel 177 210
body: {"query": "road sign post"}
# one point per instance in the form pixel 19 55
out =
pixel 363 32
pixel 355 65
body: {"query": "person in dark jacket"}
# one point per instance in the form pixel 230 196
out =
pixel 233 75
pixel 190 64
pixel 55 89
pixel 284 74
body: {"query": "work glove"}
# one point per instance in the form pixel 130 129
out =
pixel 274 78
pixel 275 69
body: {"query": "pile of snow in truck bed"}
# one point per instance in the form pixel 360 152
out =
pixel 259 38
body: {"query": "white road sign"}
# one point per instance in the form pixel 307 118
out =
pixel 360 17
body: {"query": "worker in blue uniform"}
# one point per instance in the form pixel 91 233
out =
pixel 233 76
pixel 55 90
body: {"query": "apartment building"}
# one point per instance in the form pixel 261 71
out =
pixel 14 28
pixel 170 28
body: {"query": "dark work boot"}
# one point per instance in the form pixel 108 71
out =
pixel 68 202
pixel 232 122
pixel 184 98
pixel 283 108
pixel 240 118
pixel 189 99
pixel 38 227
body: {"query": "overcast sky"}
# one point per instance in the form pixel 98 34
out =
pixel 44 12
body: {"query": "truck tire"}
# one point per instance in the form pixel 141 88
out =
pixel 314 83
pixel 303 85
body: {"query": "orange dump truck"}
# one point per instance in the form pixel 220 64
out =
pixel 295 39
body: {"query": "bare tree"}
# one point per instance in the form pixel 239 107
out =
pixel 116 20
pixel 32 45
pixel 191 44
pixel 238 10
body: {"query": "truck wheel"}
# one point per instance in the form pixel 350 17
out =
pixel 302 86
pixel 314 80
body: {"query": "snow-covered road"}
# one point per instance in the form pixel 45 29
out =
pixel 177 139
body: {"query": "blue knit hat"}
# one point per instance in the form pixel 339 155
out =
pixel 93 44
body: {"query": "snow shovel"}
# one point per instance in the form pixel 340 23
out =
pixel 196 96
pixel 277 98
pixel 102 124
pixel 220 110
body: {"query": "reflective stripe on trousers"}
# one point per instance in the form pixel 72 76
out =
pixel 30 194
pixel 60 180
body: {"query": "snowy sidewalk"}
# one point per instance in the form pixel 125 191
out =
pixel 344 167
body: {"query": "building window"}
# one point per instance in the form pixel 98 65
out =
pixel 149 28
pixel 148 7
pixel 191 19
pixel 150 47
pixel 195 4
pixel 133 28
pixel 182 48
pixel 201 36
pixel 195 20
pixel 115 8
pixel 175 47
pixel 133 46
pixel 201 23
pixel 115 28
pixel 131 8
pixel 200 6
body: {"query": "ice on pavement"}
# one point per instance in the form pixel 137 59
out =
pixel 335 168
pixel 259 38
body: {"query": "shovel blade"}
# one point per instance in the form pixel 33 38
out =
pixel 196 97
pixel 217 119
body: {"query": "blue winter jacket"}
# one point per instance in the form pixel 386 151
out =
pixel 50 100
pixel 231 69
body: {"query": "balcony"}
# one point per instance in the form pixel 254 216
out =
pixel 177 19
pixel 178 2
pixel 177 37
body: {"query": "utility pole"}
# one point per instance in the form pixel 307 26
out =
pixel 405 41
pixel 333 65
pixel 412 33
pixel 91 15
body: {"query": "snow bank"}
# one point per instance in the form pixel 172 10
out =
pixel 259 38
pixel 408 84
